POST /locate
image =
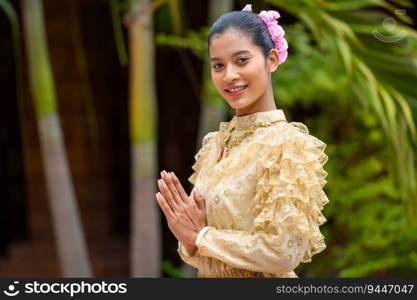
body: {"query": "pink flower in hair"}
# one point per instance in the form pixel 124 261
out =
pixel 248 7
pixel 282 44
pixel 276 32
pixel 269 16
pixel 282 56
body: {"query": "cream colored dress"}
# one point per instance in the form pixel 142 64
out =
pixel 263 200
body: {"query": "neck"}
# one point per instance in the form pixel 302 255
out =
pixel 265 103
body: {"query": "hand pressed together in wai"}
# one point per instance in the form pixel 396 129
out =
pixel 186 215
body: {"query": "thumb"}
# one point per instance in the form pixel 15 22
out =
pixel 199 200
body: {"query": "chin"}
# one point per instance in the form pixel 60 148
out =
pixel 235 105
pixel 240 104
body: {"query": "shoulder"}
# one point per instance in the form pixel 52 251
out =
pixel 208 143
pixel 285 131
pixel 292 134
pixel 209 137
pixel 292 167
pixel 291 146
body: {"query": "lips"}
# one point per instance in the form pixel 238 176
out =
pixel 236 89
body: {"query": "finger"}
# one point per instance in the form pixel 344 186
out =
pixel 165 207
pixel 162 192
pixel 201 203
pixel 172 220
pixel 179 188
pixel 159 200
pixel 167 195
pixel 172 188
pixel 195 198
pixel 186 205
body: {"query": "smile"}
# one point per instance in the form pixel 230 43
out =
pixel 237 90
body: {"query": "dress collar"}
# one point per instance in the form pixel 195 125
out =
pixel 246 121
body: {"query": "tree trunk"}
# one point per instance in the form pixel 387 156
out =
pixel 145 225
pixel 72 250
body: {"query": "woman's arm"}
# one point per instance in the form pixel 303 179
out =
pixel 255 251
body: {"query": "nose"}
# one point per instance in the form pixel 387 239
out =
pixel 230 74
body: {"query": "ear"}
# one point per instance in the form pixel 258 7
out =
pixel 273 60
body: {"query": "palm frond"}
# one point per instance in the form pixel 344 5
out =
pixel 380 61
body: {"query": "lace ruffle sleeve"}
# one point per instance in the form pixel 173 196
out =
pixel 207 145
pixel 286 207
pixel 289 195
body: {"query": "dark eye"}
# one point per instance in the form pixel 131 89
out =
pixel 242 59
pixel 217 66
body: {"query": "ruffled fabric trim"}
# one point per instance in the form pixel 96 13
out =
pixel 289 195
pixel 207 145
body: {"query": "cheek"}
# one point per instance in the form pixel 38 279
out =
pixel 215 78
pixel 255 73
pixel 256 80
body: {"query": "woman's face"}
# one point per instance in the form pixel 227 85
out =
pixel 239 70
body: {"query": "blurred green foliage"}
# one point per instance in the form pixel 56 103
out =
pixel 366 232
pixel 195 41
pixel 171 270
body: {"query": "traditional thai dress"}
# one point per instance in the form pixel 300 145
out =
pixel 262 179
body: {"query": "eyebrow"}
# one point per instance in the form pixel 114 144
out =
pixel 234 54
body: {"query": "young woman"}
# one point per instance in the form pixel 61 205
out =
pixel 255 209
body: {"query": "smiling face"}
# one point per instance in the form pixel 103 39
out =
pixel 240 72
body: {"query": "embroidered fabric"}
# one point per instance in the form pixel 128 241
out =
pixel 263 201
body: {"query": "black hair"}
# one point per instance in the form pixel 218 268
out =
pixel 249 23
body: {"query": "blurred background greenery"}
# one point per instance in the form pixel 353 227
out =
pixel 99 96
